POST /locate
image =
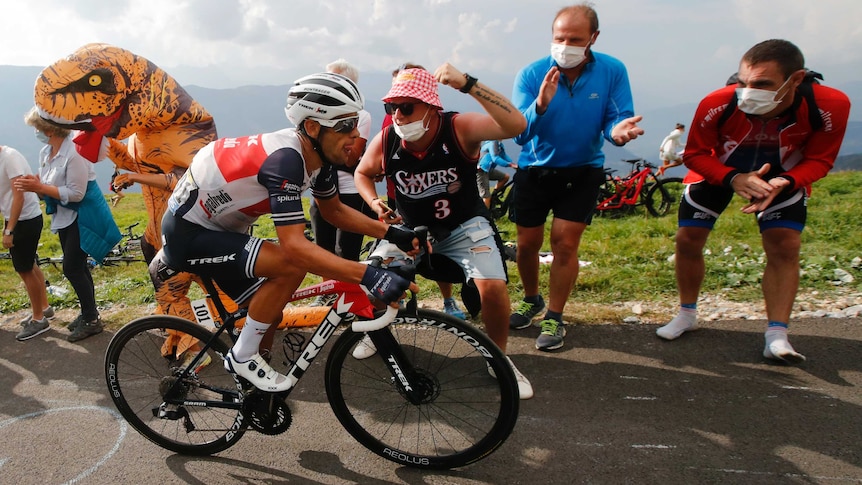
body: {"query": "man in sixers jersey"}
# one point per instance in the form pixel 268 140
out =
pixel 233 181
pixel 431 157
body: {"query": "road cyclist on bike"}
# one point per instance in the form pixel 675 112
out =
pixel 233 181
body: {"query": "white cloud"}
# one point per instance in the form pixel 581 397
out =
pixel 675 50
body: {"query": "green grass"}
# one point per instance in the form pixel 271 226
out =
pixel 628 256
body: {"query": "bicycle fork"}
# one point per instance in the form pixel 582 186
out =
pixel 415 385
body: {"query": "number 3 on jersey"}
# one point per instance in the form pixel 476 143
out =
pixel 443 209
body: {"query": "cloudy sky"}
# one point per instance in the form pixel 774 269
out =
pixel 676 50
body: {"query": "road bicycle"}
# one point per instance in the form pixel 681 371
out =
pixel 437 394
pixel 641 187
pixel 127 251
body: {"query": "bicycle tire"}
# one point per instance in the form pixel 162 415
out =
pixel 469 415
pixel 664 195
pixel 135 369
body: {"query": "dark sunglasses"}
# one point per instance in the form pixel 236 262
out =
pixel 341 125
pixel 405 108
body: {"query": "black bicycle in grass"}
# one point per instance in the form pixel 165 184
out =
pixel 437 393
pixel 127 251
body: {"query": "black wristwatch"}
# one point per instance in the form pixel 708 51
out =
pixel 471 81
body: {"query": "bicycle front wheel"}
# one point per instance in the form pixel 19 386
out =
pixel 466 414
pixel 664 196
pixel 140 379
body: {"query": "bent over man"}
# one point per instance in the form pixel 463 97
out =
pixel 767 139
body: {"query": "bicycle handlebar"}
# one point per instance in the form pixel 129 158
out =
pixel 361 326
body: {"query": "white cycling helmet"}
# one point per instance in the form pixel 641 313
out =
pixel 323 96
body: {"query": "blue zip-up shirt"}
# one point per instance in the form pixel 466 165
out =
pixel 569 133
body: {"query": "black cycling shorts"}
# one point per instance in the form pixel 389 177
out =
pixel 703 203
pixel 226 257
pixel 570 193
pixel 25 239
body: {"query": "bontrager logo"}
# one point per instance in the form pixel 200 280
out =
pixel 215 260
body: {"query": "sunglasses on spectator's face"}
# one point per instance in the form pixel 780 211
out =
pixel 340 125
pixel 405 108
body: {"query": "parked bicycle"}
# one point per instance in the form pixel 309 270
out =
pixel 501 200
pixel 127 251
pixel 641 187
pixel 427 398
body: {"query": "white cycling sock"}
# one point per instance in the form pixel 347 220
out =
pixel 686 320
pixel 249 339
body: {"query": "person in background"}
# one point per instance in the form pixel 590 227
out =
pixel 67 182
pixel 777 135
pixel 573 100
pixel 343 243
pixel 491 156
pixel 22 230
pixel 670 151
pixel 431 157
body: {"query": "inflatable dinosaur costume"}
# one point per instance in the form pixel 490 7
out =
pixel 111 94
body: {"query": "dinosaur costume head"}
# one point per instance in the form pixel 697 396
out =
pixel 110 92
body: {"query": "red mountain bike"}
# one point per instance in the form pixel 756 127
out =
pixel 621 195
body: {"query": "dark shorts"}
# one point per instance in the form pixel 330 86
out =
pixel 703 203
pixel 226 257
pixel 26 241
pixel 570 193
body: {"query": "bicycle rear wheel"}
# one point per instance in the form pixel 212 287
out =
pixel 663 197
pixel 138 378
pixel 467 413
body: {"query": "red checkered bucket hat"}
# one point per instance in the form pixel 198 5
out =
pixel 417 84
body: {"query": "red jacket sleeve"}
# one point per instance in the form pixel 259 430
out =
pixel 699 155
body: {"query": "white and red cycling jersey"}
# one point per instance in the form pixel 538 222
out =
pixel 233 181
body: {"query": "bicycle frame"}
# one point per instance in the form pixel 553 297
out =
pixel 627 190
pixel 352 299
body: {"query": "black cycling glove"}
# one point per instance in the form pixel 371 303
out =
pixel 403 238
pixel 384 285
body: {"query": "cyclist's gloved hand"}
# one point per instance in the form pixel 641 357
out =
pixel 384 285
pixel 401 237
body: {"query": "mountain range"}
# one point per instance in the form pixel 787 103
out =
pixel 256 109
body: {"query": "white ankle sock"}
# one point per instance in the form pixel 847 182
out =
pixel 778 347
pixel 684 321
pixel 249 339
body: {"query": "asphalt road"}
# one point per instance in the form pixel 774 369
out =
pixel 616 405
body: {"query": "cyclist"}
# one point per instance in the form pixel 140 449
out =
pixel 232 181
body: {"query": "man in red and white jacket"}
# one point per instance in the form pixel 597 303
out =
pixel 767 138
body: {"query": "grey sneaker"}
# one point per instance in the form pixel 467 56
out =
pixel 552 335
pixel 46 313
pixel 86 329
pixel 75 323
pixel 32 328
pixel 525 313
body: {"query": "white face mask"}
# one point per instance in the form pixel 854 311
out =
pixel 42 137
pixel 569 56
pixel 758 101
pixel 412 131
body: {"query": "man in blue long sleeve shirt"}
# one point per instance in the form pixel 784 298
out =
pixel 573 100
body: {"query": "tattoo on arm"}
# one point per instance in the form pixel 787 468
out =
pixel 494 98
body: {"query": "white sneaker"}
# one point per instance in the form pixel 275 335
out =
pixel 525 389
pixel 780 349
pixel 675 328
pixel 258 372
pixel 364 349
